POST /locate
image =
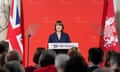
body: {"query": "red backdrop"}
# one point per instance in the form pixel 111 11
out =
pixel 82 20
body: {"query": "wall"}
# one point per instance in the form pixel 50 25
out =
pixel 117 13
pixel 81 18
pixel 4 13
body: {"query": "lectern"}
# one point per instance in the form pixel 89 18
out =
pixel 61 47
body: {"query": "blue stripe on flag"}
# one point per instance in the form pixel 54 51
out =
pixel 17 17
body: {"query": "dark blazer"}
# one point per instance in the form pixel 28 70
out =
pixel 64 38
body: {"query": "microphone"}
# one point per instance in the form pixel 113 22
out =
pixel 29 35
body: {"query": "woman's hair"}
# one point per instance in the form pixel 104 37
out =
pixel 73 51
pixel 59 22
pixel 76 64
pixel 37 54
pixel 47 58
pixel 5 44
pixel 115 59
pixel 14 66
pixel 60 60
pixel 107 58
pixel 13 56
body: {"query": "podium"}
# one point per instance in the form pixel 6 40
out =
pixel 61 47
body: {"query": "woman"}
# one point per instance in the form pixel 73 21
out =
pixel 59 35
pixel 108 57
pixel 36 56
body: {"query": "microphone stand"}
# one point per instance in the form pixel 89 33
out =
pixel 29 36
pixel 32 28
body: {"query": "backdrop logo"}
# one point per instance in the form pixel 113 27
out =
pixel 110 35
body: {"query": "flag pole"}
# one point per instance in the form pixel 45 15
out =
pixel 32 29
pixel 105 6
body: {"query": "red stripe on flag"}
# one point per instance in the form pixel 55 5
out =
pixel 12 7
pixel 12 37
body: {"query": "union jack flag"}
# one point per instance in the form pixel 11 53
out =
pixel 14 35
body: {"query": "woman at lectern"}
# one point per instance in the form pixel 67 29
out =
pixel 59 35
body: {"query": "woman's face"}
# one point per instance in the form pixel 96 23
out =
pixel 59 28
